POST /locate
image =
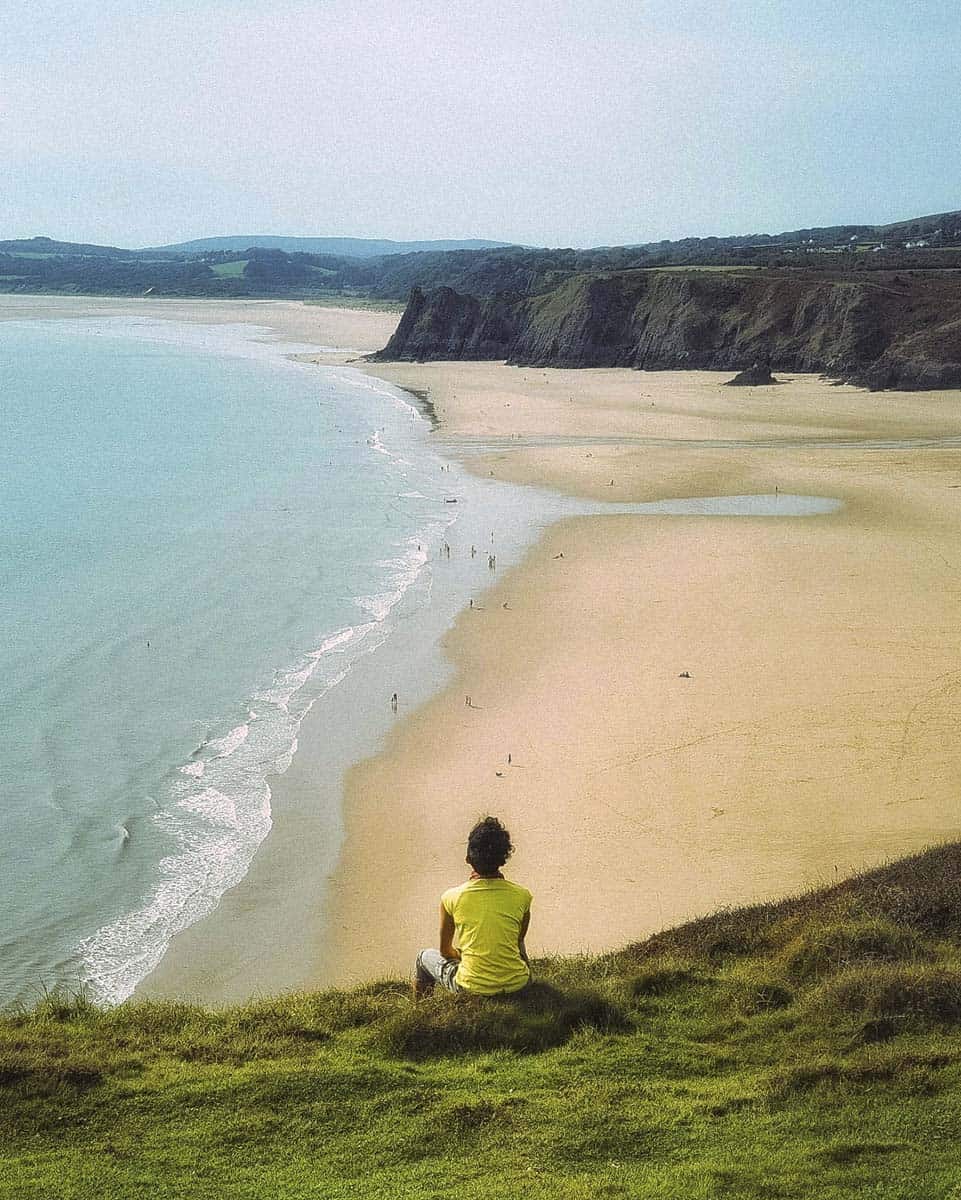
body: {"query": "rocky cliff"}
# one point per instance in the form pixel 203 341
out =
pixel 888 331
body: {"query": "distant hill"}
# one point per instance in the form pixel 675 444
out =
pixel 343 247
pixel 937 226
pixel 45 245
pixel 349 270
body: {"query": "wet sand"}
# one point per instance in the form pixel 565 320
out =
pixel 815 735
pixel 344 333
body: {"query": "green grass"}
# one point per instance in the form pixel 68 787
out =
pixel 229 270
pixel 339 300
pixel 805 1049
pixel 727 270
pixel 34 253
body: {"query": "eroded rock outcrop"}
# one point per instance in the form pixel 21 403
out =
pixel 445 324
pixel 758 374
pixel 878 331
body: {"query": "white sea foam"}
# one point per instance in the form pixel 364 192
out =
pixel 287 684
pixel 217 839
pixel 335 641
pixel 378 604
pixel 214 806
pixel 225 746
pixel 357 379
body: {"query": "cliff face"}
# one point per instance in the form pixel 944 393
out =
pixel 445 324
pixel 884 332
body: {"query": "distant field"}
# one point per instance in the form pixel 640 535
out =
pixel 336 301
pixel 727 270
pixel 230 270
pixel 31 254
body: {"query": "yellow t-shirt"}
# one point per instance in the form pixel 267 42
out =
pixel 487 917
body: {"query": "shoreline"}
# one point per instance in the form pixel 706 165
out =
pixel 337 335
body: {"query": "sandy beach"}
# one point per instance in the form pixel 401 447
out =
pixel 342 333
pixel 814 736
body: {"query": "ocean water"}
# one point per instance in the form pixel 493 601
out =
pixel 197 537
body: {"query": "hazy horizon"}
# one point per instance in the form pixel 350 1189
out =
pixel 564 125
pixel 251 239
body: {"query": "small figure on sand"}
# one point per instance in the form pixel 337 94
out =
pixel 491 560
pixel 684 675
pixel 473 551
pixel 393 702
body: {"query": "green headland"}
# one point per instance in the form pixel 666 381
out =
pixel 807 1048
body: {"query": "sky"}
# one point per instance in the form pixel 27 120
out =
pixel 562 124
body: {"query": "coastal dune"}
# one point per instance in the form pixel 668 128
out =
pixel 699 712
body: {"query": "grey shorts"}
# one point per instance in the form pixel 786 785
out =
pixel 433 967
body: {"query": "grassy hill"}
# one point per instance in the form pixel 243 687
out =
pixel 803 1049
pixel 347 268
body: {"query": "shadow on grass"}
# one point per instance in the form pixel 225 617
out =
pixel 535 1019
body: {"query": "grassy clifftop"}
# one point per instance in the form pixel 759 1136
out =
pixel 804 1049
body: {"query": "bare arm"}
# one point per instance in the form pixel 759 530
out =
pixel 525 925
pixel 447 947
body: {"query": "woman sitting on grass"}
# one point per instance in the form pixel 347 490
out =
pixel 489 917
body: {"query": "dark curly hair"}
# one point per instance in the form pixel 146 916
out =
pixel 488 846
